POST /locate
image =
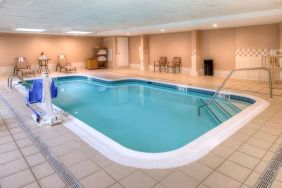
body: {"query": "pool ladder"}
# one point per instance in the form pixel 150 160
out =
pixel 228 77
pixel 12 77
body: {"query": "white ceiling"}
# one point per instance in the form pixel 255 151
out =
pixel 118 17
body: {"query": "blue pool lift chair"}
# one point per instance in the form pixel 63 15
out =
pixel 35 95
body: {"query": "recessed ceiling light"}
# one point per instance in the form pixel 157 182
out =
pixel 78 32
pixel 215 25
pixel 30 29
pixel 162 30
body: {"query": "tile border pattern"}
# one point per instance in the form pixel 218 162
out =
pixel 271 171
pixel 252 52
pixel 160 84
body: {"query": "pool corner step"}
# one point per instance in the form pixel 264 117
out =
pixel 228 107
pixel 218 111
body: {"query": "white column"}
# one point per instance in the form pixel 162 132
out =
pixel 144 52
pixel 195 54
pixel 280 35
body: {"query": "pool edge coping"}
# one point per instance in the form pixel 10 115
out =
pixel 179 157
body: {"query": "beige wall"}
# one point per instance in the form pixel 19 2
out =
pixel 170 45
pixel 258 37
pixel 280 35
pixel 218 45
pixel 77 49
pixel 134 43
pixel 221 44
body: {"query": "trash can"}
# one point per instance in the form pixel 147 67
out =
pixel 208 67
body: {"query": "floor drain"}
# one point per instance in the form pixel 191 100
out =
pixel 58 166
pixel 271 171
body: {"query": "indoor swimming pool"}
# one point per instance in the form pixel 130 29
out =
pixel 149 124
pixel 142 116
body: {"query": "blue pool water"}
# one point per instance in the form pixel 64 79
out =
pixel 141 116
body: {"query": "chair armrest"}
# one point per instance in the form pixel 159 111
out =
pixel 156 62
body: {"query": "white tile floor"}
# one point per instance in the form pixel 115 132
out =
pixel 238 162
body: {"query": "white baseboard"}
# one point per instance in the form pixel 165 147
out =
pixel 79 64
pixel 122 67
pixel 185 70
pixel 134 66
pixel 221 73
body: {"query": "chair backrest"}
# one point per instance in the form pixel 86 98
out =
pixel 163 60
pixel 62 60
pixel 21 62
pixel 176 61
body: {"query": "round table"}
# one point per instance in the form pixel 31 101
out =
pixel 43 63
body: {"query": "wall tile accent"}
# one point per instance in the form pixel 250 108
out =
pixel 195 52
pixel 252 52
pixel 247 58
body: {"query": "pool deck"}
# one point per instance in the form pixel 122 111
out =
pixel 237 162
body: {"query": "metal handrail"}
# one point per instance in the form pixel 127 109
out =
pixel 227 78
pixel 10 80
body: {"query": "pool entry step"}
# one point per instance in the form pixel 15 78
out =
pixel 221 109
